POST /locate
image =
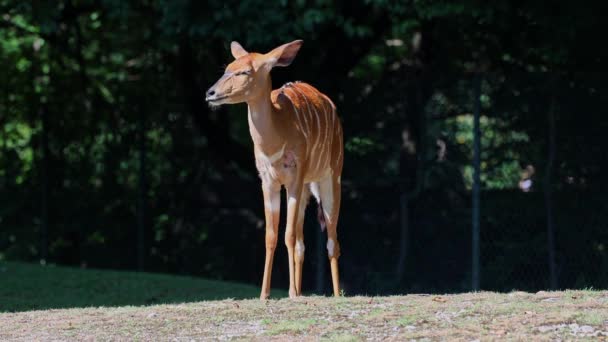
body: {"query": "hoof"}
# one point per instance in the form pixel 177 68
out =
pixel 264 296
pixel 292 294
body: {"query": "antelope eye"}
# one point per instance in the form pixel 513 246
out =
pixel 240 73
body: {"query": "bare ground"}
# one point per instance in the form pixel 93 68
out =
pixel 568 315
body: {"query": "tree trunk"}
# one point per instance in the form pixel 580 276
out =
pixel 412 161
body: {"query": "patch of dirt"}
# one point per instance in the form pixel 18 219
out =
pixel 463 317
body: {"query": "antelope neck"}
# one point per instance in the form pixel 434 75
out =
pixel 261 124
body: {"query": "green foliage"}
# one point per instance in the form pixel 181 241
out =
pixel 112 76
pixel 498 170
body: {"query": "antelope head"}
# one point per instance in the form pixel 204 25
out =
pixel 248 76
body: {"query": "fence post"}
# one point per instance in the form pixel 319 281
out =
pixel 549 197
pixel 476 180
pixel 404 235
pixel 44 229
pixel 141 201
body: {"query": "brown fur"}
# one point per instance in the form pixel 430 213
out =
pixel 298 144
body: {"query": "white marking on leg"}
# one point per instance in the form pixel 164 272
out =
pixel 300 248
pixel 291 203
pixel 339 179
pixel 330 247
pixel 327 197
pixel 314 188
pixel 274 202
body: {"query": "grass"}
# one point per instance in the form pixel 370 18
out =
pixel 520 316
pixel 542 316
pixel 295 326
pixel 34 287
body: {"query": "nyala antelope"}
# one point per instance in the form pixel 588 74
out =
pixel 297 138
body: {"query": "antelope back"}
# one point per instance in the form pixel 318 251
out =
pixel 315 116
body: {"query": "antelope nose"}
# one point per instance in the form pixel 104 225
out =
pixel 210 92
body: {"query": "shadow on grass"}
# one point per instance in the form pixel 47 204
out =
pixel 25 287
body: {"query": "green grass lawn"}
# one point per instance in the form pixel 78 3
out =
pixel 33 287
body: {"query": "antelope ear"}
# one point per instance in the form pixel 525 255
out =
pixel 237 50
pixel 284 54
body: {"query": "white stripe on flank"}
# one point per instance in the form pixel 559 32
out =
pixel 325 116
pixel 309 106
pixel 329 112
pixel 313 133
pixel 327 137
pixel 298 118
pixel 321 140
pixel 299 94
pixel 295 109
pixel 304 113
pixel 323 153
pixel 332 131
pixel 341 147
pixel 333 115
pixel 306 130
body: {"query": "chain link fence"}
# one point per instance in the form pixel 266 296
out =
pixel 399 231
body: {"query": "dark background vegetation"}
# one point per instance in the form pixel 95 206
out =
pixel 110 158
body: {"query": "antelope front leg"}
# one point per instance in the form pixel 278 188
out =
pixel 294 196
pixel 272 211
